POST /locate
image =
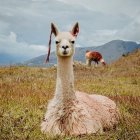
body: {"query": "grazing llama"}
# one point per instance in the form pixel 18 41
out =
pixel 94 56
pixel 72 112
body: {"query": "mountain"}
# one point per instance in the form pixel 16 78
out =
pixel 8 59
pixel 111 51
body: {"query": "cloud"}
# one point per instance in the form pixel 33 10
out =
pixel 124 7
pixel 131 31
pixel 13 37
pixel 10 45
pixel 3 26
pixel 103 36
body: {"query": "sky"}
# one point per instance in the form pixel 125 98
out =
pixel 25 24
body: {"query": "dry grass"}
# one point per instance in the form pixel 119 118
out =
pixel 24 94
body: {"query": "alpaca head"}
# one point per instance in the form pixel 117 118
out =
pixel 65 41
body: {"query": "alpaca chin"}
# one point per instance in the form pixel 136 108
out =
pixel 63 54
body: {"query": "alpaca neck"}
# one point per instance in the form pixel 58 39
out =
pixel 65 79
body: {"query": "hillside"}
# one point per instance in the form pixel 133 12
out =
pixel 25 91
pixel 111 51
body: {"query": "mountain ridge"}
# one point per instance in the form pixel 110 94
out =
pixel 110 51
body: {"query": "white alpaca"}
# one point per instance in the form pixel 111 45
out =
pixel 71 112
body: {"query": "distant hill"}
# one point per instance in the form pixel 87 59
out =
pixel 7 59
pixel 111 51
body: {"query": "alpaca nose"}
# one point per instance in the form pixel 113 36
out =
pixel 65 47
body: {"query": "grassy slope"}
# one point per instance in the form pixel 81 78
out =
pixel 24 94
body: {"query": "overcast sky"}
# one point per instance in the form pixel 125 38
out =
pixel 25 24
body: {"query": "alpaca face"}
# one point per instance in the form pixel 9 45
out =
pixel 65 41
pixel 65 44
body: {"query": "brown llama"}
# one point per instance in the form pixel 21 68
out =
pixel 94 56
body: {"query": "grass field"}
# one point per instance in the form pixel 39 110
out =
pixel 25 91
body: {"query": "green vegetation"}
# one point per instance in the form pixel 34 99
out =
pixel 25 91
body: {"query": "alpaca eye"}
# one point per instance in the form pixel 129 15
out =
pixel 56 42
pixel 72 42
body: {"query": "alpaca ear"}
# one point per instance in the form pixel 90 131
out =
pixel 54 29
pixel 75 29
